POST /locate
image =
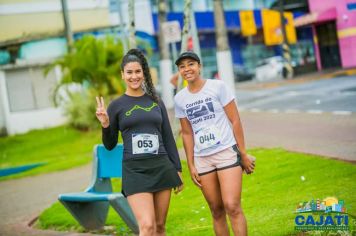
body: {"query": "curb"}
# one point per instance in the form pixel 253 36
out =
pixel 255 85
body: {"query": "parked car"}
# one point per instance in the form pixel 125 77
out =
pixel 271 68
pixel 242 73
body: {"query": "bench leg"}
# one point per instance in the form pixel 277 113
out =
pixel 90 215
pixel 122 207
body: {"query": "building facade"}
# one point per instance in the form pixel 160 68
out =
pixel 32 32
pixel 333 25
pixel 247 52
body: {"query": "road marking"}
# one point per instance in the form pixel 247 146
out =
pixel 296 111
pixel 273 110
pixel 342 112
pixel 291 111
pixel 314 111
pixel 291 93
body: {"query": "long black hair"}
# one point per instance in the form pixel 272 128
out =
pixel 136 55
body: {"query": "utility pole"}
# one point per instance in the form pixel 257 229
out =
pixel 186 25
pixel 122 27
pixel 287 69
pixel 224 59
pixel 132 38
pixel 162 17
pixel 67 28
pixel 184 46
pixel 189 29
pixel 195 36
pixel 185 33
pixel 165 62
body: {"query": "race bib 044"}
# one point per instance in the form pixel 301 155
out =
pixel 145 143
pixel 207 137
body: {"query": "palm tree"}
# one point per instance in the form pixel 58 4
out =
pixel 224 59
pixel 94 64
pixel 66 20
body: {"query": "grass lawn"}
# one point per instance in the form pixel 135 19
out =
pixel 269 197
pixel 59 148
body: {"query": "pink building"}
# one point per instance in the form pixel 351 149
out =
pixel 334 29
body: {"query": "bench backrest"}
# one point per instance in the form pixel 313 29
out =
pixel 109 162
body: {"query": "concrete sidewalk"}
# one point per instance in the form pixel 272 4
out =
pixel 22 200
pixel 324 135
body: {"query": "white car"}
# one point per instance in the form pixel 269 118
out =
pixel 270 69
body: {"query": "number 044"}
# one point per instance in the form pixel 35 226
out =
pixel 206 138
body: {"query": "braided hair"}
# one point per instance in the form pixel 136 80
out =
pixel 135 55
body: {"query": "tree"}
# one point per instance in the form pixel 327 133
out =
pixel 94 65
pixel 66 21
pixel 224 59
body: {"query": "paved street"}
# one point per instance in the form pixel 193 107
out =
pixel 337 96
pixel 317 116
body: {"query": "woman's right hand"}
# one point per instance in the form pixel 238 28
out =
pixel 195 176
pixel 101 113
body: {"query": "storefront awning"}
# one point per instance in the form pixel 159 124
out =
pixel 316 17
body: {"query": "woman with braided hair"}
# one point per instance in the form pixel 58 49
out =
pixel 151 167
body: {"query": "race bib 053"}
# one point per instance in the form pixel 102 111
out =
pixel 145 143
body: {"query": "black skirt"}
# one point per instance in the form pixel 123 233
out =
pixel 152 174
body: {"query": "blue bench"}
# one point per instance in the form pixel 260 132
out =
pixel 90 208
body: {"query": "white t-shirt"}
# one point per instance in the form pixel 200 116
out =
pixel 205 112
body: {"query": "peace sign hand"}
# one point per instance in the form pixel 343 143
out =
pixel 101 113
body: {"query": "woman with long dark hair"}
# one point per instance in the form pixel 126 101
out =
pixel 151 165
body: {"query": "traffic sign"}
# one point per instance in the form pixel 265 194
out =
pixel 171 31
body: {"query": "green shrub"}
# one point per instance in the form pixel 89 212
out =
pixel 81 111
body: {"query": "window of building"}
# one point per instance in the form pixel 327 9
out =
pixel 208 5
pixel 259 4
pixel 302 53
pixel 154 6
pixel 253 54
pixel 28 89
pixel 210 68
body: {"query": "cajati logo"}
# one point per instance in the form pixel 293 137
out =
pixel 327 214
